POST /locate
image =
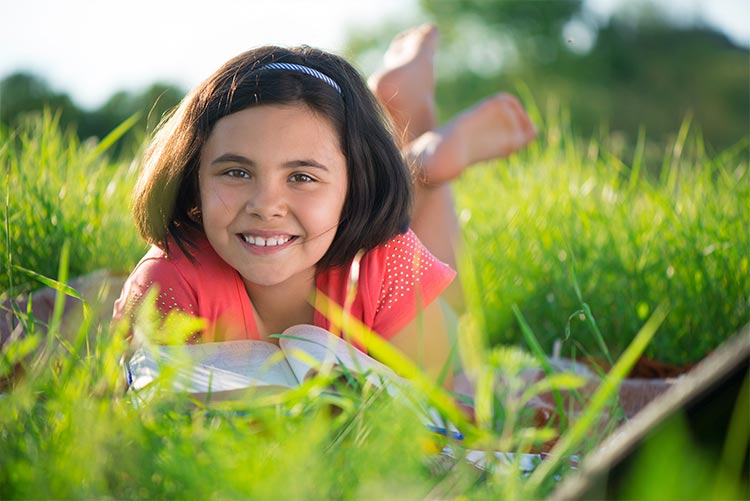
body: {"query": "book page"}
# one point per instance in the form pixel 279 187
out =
pixel 215 367
pixel 307 341
pixel 324 347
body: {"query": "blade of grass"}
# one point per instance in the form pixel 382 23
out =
pixel 590 320
pixel 635 172
pixel 738 437
pixel 6 215
pixel 538 352
pixel 116 134
pixel 50 282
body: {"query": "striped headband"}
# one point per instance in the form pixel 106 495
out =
pixel 303 69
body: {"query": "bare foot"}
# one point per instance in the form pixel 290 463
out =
pixel 496 127
pixel 406 84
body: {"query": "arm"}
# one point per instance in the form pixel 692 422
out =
pixel 425 341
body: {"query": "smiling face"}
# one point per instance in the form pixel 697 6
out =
pixel 272 183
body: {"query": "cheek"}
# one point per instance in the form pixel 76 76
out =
pixel 335 205
pixel 203 190
pixel 214 202
pixel 341 195
pixel 324 211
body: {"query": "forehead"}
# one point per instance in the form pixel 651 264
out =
pixel 275 132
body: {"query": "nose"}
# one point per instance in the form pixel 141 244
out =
pixel 266 201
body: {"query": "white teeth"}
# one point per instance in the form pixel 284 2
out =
pixel 265 242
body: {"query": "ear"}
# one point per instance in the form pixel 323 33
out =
pixel 195 215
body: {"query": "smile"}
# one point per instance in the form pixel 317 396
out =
pixel 267 242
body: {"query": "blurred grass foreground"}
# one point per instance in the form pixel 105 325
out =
pixel 581 244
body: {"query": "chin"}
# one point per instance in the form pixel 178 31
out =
pixel 264 281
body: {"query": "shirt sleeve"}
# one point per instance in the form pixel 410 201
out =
pixel 174 290
pixel 410 278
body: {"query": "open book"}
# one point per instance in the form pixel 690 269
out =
pixel 225 370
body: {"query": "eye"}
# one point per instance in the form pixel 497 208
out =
pixel 238 173
pixel 300 177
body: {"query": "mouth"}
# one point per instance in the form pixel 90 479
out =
pixel 270 241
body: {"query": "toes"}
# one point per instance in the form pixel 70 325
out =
pixel 521 124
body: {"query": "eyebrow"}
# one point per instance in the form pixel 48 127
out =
pixel 232 158
pixel 243 160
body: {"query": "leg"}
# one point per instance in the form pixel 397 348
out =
pixel 495 127
pixel 406 84
pixel 406 89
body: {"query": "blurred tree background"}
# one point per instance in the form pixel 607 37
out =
pixel 22 93
pixel 637 68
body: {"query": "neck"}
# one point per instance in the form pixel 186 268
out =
pixel 278 307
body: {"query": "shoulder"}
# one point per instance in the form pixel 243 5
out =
pixel 155 270
pixel 405 261
pixel 394 282
pixel 159 265
pixel 179 279
pixel 402 277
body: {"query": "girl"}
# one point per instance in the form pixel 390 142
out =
pixel 268 179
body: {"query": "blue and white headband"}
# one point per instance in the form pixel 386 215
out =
pixel 303 69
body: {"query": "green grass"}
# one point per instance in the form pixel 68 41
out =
pixel 588 246
pixel 68 430
pixel 57 189
pixel 563 228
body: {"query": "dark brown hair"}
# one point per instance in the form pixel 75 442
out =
pixel 378 198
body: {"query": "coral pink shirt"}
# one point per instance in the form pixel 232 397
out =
pixel 396 280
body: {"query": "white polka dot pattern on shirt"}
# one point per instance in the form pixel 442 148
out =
pixel 407 260
pixel 165 302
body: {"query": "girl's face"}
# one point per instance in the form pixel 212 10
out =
pixel 272 182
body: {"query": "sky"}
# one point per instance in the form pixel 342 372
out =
pixel 91 49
